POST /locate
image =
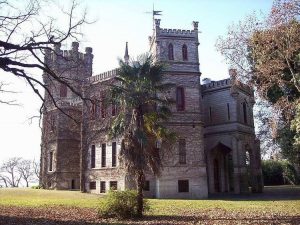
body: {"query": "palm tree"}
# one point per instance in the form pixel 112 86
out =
pixel 141 95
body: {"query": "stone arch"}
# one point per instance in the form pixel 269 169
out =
pixel 218 168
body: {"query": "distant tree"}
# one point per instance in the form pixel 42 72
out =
pixel 36 168
pixel 9 172
pixel 26 170
pixel 142 97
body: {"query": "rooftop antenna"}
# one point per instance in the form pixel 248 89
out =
pixel 154 13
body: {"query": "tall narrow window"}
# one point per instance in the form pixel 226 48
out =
pixel 93 185
pixel 114 154
pixel 182 151
pixel 73 184
pixel 93 110
pixel 113 109
pixel 184 53
pixel 63 90
pixel 102 187
pixel 180 102
pixel 170 52
pixel 245 112
pixel 146 186
pixel 210 114
pixel 103 156
pixel 93 157
pixel 51 161
pixel 228 111
pixel 103 107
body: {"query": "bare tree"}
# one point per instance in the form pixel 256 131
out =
pixel 28 32
pixel 36 168
pixel 10 172
pixel 26 170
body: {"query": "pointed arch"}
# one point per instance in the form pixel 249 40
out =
pixel 170 52
pixel 184 52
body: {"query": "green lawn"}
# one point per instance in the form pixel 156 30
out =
pixel 44 198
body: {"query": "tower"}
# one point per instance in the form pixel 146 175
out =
pixel 184 173
pixel 60 148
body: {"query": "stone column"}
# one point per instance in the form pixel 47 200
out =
pixel 236 169
pixel 244 184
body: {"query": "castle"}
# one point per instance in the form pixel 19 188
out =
pixel 216 150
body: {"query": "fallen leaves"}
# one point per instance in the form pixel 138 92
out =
pixel 61 215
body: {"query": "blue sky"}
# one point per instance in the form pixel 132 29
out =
pixel 118 21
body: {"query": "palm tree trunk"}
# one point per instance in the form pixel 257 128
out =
pixel 140 197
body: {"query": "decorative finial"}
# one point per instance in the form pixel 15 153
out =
pixel 195 24
pixel 126 56
pixel 157 22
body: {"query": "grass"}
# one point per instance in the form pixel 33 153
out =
pixel 44 198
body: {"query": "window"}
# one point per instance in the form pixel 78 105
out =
pixel 93 110
pixel 184 53
pixel 113 109
pixel 63 90
pixel 228 111
pixel 114 154
pixel 93 157
pixel 245 112
pixel 180 103
pixel 113 185
pixel 51 161
pixel 182 151
pixel 146 185
pixel 93 185
pixel 102 187
pixel 103 107
pixel 170 52
pixel 210 114
pixel 103 156
pixel 183 186
pixel 73 184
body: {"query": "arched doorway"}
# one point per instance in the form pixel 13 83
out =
pixel 220 169
pixel 216 175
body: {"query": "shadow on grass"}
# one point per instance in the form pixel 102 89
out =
pixel 271 193
pixel 9 220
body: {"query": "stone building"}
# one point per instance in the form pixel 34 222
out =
pixel 216 150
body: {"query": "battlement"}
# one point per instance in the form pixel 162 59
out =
pixel 172 32
pixel 229 82
pixel 177 32
pixel 103 76
pixel 58 58
pixel 217 84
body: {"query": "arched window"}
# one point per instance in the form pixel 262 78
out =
pixel 184 53
pixel 245 112
pixel 170 52
pixel 180 102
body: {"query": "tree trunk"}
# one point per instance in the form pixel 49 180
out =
pixel 140 197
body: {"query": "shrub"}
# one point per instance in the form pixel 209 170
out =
pixel 279 172
pixel 120 204
pixel 36 187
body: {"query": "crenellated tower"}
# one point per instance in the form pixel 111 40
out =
pixel 178 50
pixel 62 113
